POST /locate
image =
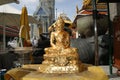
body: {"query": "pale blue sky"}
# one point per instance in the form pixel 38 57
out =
pixel 66 6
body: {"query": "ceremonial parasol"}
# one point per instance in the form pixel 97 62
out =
pixel 9 16
pixel 24 28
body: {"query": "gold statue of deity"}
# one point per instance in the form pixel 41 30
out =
pixel 60 57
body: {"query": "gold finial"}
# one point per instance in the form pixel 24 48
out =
pixel 77 10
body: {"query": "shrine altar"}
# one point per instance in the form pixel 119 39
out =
pixel 30 72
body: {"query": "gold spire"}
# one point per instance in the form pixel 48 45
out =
pixel 77 10
pixel 60 19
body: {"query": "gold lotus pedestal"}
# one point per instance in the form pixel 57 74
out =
pixel 60 61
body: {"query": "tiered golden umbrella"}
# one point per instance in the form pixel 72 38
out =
pixel 24 28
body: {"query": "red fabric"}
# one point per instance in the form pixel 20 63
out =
pixel 116 46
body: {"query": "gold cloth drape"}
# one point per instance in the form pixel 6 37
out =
pixel 30 72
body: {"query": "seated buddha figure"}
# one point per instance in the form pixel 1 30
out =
pixel 59 39
pixel 60 51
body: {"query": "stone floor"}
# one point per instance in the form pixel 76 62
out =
pixel 112 76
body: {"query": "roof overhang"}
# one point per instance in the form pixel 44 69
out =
pixel 86 12
pixel 8 1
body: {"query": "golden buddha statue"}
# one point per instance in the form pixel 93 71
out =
pixel 60 57
pixel 59 38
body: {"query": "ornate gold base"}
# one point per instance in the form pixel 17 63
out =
pixel 60 61
pixel 92 73
pixel 58 69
